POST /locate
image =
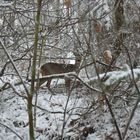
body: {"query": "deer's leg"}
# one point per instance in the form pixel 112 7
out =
pixel 67 83
pixel 48 83
pixel 48 86
pixel 77 84
pixel 40 82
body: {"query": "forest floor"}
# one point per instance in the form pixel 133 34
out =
pixel 82 116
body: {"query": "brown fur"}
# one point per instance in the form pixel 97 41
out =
pixel 58 68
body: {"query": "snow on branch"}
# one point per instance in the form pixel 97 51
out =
pixel 115 76
pixel 63 75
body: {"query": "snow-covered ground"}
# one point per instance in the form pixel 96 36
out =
pixel 83 115
pixel 85 118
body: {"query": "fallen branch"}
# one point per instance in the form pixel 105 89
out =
pixel 69 75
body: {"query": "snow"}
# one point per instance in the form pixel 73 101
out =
pixel 6 4
pixel 83 108
pixel 1 22
pixel 93 137
pixel 121 75
pixel 50 112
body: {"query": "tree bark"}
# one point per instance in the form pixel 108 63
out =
pixel 32 89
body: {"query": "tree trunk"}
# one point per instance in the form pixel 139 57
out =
pixel 119 21
pixel 32 90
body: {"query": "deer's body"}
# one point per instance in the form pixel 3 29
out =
pixel 58 68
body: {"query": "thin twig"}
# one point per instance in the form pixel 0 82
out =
pixel 137 89
pixel 12 62
pixel 12 131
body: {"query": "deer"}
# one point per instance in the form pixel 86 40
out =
pixel 59 68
